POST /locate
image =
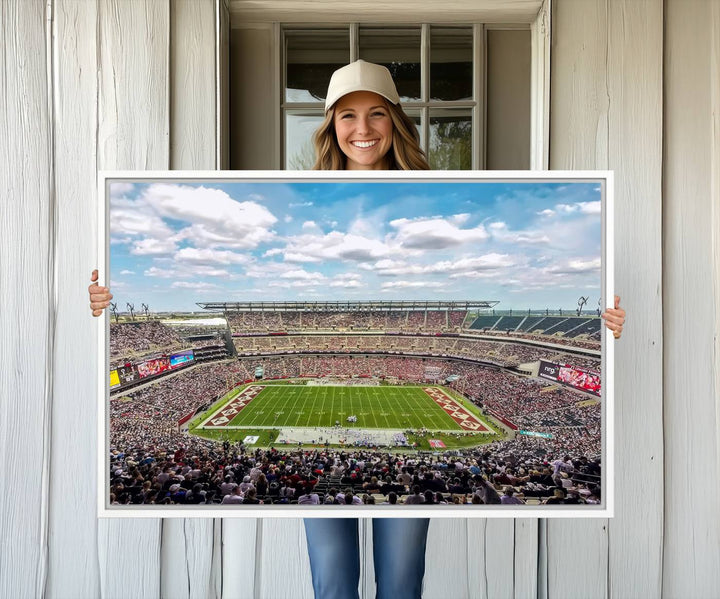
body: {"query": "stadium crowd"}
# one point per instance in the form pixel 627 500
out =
pixel 133 339
pixel 592 343
pixel 152 462
pixel 501 353
pixel 185 470
pixel 327 320
pixel 152 410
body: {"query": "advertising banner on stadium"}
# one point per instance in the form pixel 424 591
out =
pixel 580 379
pixel 152 367
pixel 114 379
pixel 181 359
pixel 366 314
pixel 571 376
pixel 548 370
pixel 536 434
pixel 127 374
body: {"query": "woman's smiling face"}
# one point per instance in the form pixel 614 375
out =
pixel 364 130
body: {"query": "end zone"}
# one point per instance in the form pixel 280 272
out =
pixel 460 414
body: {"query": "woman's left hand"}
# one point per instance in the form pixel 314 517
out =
pixel 615 318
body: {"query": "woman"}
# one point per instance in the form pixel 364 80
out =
pixel 365 129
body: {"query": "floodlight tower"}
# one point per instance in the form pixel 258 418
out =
pixel 581 302
pixel 131 309
pixel 113 309
pixel 146 311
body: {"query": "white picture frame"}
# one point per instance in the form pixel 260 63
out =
pixel 603 180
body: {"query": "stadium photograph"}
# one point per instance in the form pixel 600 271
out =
pixel 324 342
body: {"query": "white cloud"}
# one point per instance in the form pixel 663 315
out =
pixel 202 270
pixel 576 266
pixel 434 233
pixel 580 207
pixel 267 269
pixel 127 272
pixel 347 284
pixel 120 188
pixel 475 275
pixel 300 257
pixel 199 286
pixel 459 219
pixel 591 207
pixel 119 240
pixel 292 284
pixel 288 218
pixel 349 280
pixel 412 284
pixel 365 227
pixel 463 265
pixel 300 204
pixel 150 246
pixel 210 257
pixel 133 218
pixel 162 273
pixel 216 219
pixel 303 275
pixel 310 225
pixel 334 246
pixel 347 276
pixel 546 212
pixel 501 232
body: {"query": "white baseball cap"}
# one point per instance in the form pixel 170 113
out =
pixel 361 76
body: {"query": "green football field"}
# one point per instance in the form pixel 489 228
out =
pixel 311 406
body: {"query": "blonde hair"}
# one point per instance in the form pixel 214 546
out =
pixel 405 153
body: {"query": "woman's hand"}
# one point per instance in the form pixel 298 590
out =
pixel 615 318
pixel 99 296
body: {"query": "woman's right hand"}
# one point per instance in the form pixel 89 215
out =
pixel 99 296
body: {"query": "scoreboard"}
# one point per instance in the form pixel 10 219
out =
pixel 579 378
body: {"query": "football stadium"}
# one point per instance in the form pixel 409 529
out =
pixel 344 402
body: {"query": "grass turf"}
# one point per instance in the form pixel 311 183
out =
pixel 379 407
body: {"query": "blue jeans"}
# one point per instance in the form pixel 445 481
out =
pixel 398 551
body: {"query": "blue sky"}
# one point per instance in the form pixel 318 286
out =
pixel 524 244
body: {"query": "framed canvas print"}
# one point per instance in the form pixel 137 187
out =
pixel 324 344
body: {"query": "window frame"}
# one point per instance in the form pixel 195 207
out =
pixel 539 23
pixel 476 107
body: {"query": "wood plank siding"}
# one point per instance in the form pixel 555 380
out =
pixel 118 84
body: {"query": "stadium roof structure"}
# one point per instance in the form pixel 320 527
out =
pixel 346 306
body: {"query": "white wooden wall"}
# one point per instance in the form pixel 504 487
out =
pixel 635 87
pixel 606 113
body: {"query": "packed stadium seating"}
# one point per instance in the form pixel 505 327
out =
pixel 153 462
pixel 136 339
pixel 194 471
